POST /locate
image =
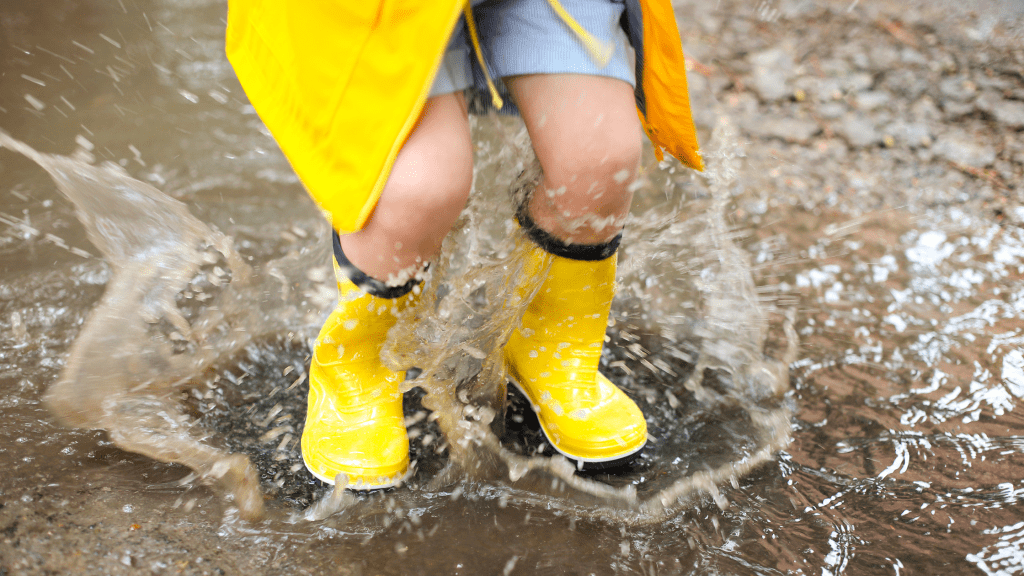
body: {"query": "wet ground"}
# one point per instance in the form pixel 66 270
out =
pixel 877 192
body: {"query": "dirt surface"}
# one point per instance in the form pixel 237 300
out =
pixel 865 106
pixel 848 108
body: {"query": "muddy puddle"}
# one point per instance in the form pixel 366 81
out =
pixel 824 332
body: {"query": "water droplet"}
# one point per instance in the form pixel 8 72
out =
pixel 35 102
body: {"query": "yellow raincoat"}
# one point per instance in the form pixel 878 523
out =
pixel 341 83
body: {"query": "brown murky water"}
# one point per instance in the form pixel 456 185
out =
pixel 905 432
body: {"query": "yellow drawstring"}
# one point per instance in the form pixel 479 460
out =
pixel 495 97
pixel 600 52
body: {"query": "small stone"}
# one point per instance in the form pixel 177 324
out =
pixel 773 58
pixel 743 103
pixel 996 82
pixel 954 110
pixel 987 101
pixel 857 82
pixel 820 89
pixel 942 61
pixel 959 88
pixel 925 109
pixel 871 99
pixel 911 56
pixel 787 129
pixel 860 60
pixel 770 71
pixel 836 149
pixel 1008 112
pixel 963 148
pixel 834 67
pixel 832 110
pixel 905 82
pixel 769 86
pixel 858 131
pixel 883 57
pixel 710 23
pixel 909 134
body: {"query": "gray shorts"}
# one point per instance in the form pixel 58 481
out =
pixel 528 37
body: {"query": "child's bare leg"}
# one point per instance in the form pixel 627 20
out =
pixel 586 134
pixel 423 197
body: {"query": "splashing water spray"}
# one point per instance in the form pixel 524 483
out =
pixel 137 347
pixel 140 344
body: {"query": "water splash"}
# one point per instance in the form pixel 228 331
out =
pixel 181 298
pixel 478 292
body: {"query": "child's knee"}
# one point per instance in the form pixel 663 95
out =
pixel 435 192
pixel 433 173
pixel 618 164
pixel 598 175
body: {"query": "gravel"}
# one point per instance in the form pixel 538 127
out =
pixel 829 92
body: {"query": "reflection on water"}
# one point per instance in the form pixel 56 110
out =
pixel 905 392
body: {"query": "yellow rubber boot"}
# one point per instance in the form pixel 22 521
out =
pixel 354 424
pixel 553 359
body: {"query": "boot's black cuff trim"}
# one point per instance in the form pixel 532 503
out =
pixel 365 283
pixel 552 245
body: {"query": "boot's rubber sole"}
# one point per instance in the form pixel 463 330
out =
pixel 583 463
pixel 361 486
